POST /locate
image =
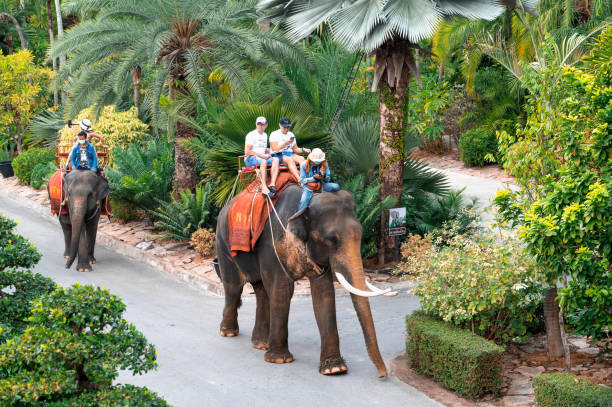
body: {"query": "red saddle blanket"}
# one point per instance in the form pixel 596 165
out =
pixel 247 216
pixel 54 188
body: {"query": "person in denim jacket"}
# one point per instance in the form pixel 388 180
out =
pixel 83 156
pixel 314 177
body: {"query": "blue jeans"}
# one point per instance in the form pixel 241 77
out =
pixel 307 193
pixel 252 160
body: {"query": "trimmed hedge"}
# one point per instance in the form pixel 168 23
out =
pixel 119 396
pixel 456 358
pixel 567 390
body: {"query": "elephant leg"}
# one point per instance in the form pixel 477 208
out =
pixel 64 221
pixel 232 285
pixel 83 264
pixel 92 232
pixel 324 304
pixel 280 291
pixel 261 331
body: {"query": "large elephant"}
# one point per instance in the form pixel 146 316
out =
pixel 320 239
pixel 83 192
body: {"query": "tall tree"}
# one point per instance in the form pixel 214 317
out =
pixel 60 32
pixel 390 30
pixel 51 40
pixel 178 42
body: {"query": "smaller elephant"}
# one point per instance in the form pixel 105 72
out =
pixel 83 192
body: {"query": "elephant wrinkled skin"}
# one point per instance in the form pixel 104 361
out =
pixel 321 239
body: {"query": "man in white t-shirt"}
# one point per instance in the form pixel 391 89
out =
pixel 257 152
pixel 284 146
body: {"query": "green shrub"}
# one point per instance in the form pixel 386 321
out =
pixel 15 251
pixel 142 175
pixel 117 396
pixel 488 286
pixel 456 358
pixel 17 291
pixel 477 147
pixel 123 211
pixel 25 162
pixel 179 219
pixel 41 174
pixel 77 340
pixel 567 390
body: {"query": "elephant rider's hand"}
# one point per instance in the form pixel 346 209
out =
pixel 306 150
pixel 318 177
pixel 266 156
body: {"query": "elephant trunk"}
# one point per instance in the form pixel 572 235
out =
pixel 349 265
pixel 77 220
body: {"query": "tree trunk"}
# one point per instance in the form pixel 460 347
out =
pixel 551 320
pixel 51 40
pixel 392 103
pixel 22 39
pixel 136 75
pixel 184 161
pixel 60 32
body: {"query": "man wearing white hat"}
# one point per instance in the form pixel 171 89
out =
pixel 257 153
pixel 314 177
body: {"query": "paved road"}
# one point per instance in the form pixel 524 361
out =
pixel 483 189
pixel 198 367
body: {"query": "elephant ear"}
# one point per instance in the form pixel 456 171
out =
pixel 299 225
pixel 101 189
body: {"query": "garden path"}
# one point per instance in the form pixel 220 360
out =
pixel 199 367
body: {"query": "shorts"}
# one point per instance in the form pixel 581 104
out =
pixel 252 160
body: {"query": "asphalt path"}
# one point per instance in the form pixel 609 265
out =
pixel 198 367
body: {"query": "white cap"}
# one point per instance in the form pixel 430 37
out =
pixel 261 119
pixel 317 156
pixel 85 124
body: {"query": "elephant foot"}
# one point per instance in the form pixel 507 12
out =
pixel 84 268
pixel 229 332
pixel 278 357
pixel 333 366
pixel 92 260
pixel 66 256
pixel 261 345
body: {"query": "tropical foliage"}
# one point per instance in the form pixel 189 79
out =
pixel 563 213
pixel 180 218
pixel 141 175
pixel 24 163
pixel 23 93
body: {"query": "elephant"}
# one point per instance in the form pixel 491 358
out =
pixel 83 192
pixel 320 239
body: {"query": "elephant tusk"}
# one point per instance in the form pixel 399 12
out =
pixel 375 289
pixel 348 287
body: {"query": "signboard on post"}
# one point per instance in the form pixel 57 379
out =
pixel 397 221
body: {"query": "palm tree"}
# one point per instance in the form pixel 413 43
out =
pixel 389 30
pixel 176 42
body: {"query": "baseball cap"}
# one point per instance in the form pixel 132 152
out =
pixel 261 120
pixel 285 122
